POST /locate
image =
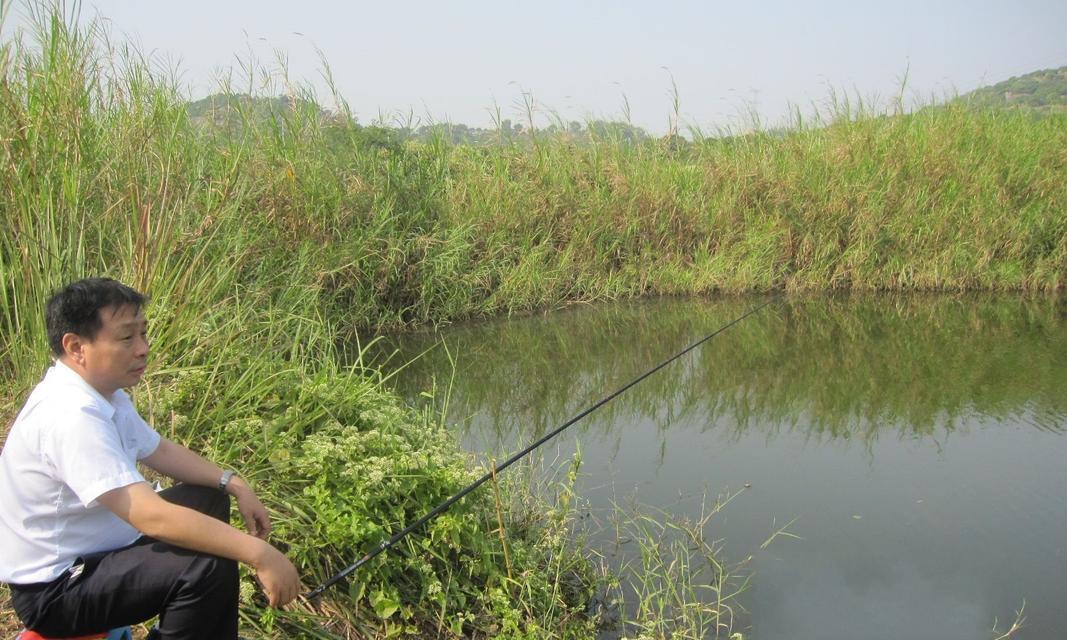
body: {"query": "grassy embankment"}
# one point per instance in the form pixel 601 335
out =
pixel 101 173
pixel 263 241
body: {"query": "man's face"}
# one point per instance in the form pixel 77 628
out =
pixel 116 357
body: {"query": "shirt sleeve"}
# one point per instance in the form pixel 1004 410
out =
pixel 87 454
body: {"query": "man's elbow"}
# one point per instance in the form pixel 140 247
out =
pixel 142 508
pixel 153 521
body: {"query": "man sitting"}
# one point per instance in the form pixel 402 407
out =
pixel 86 544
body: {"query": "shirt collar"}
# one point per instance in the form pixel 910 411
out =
pixel 63 374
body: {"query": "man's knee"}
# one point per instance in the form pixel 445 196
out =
pixel 219 504
pixel 204 604
pixel 207 500
pixel 212 574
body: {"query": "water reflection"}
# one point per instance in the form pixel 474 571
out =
pixel 841 367
pixel 919 441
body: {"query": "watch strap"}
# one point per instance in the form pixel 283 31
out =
pixel 227 475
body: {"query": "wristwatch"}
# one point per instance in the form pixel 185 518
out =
pixel 225 479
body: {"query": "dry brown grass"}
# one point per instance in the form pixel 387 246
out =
pixel 9 622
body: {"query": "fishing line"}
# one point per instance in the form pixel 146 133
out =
pixel 397 537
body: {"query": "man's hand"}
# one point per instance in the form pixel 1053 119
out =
pixel 275 573
pixel 255 515
pixel 146 511
pixel 277 576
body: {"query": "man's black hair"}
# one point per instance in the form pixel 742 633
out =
pixel 76 308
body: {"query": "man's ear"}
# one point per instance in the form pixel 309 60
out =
pixel 73 347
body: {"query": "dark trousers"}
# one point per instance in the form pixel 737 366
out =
pixel 194 594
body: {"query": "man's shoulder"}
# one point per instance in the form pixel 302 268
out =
pixel 49 417
pixel 57 404
pixel 122 401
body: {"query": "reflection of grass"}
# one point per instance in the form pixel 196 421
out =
pixel 840 367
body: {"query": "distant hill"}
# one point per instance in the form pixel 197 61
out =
pixel 1043 91
pixel 224 108
pixel 232 111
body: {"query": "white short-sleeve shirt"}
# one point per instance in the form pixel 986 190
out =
pixel 68 446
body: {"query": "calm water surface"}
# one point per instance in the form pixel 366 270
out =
pixel 918 442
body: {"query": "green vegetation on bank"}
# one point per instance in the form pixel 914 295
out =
pixel 100 173
pixel 265 239
pixel 950 198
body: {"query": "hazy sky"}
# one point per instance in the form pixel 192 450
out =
pixel 455 60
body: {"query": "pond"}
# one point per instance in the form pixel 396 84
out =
pixel 914 445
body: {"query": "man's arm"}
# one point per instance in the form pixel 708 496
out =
pixel 175 461
pixel 153 516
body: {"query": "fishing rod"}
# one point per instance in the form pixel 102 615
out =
pixel 397 537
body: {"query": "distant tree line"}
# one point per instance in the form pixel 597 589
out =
pixel 230 110
pixel 508 131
